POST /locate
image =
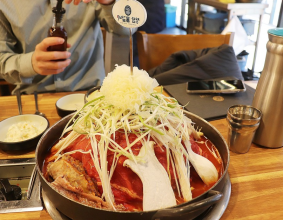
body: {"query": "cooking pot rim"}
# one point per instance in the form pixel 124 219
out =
pixel 138 212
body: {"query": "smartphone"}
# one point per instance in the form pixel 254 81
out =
pixel 216 86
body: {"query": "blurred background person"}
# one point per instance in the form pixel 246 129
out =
pixel 156 22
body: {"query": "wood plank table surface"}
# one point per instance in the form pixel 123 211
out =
pixel 256 177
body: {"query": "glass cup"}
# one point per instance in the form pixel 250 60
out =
pixel 243 120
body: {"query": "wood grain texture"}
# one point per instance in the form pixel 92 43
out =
pixel 151 46
pixel 256 177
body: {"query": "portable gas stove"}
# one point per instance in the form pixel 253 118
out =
pixel 19 186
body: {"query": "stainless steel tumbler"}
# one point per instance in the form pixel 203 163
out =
pixel 269 93
pixel 243 120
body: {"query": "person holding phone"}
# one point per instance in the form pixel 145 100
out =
pixel 24 59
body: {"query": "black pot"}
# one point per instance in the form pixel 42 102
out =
pixel 188 210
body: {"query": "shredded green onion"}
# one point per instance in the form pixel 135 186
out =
pixel 160 118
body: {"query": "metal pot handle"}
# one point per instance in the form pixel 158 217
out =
pixel 213 197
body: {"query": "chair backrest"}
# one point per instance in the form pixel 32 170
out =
pixel 107 43
pixel 153 49
pixel 103 35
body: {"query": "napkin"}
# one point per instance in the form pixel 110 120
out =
pixel 241 39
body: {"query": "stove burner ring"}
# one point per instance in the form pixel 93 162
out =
pixel 2 197
pixel 9 192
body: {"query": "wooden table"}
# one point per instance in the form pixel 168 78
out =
pixel 256 177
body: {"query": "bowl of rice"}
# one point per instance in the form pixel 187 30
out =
pixel 22 132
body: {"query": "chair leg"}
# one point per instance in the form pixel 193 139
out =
pixel 6 90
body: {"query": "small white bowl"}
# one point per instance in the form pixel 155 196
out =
pixel 69 104
pixel 38 121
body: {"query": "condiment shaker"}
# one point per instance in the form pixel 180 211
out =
pixel 57 29
pixel 269 94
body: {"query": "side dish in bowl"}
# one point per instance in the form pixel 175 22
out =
pixel 130 154
pixel 22 132
pixel 69 104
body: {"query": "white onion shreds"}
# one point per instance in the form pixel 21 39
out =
pixel 214 152
pixel 175 175
pixel 113 166
pixel 117 147
pixel 157 190
pixel 128 146
pixel 184 176
pixel 126 121
pixel 72 152
pixel 137 139
pixel 64 143
pixel 107 191
pixel 124 90
pixel 154 117
pixel 95 157
pixel 100 163
pixel 168 162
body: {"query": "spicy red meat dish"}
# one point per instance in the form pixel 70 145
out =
pixel 76 177
pixel 132 149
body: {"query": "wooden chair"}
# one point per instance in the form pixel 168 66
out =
pixel 103 35
pixel 107 43
pixel 5 87
pixel 153 49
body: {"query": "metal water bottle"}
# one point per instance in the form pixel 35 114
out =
pixel 269 93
